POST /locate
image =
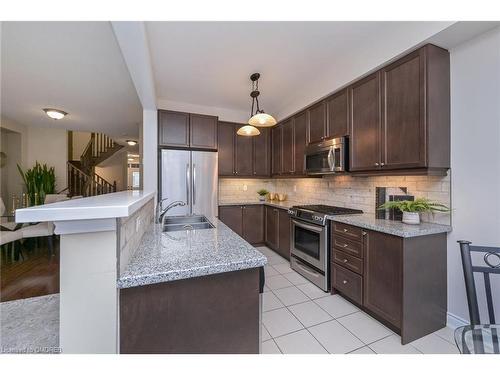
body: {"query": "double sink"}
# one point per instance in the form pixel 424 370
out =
pixel 180 223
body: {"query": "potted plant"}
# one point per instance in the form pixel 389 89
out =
pixel 412 209
pixel 262 194
pixel 39 181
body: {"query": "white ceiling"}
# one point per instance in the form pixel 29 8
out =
pixel 209 63
pixel 74 66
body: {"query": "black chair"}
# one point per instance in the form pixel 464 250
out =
pixel 479 338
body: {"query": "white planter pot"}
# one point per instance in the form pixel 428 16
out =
pixel 262 198
pixel 411 218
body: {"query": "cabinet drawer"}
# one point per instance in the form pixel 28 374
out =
pixel 348 283
pixel 348 231
pixel 348 261
pixel 350 247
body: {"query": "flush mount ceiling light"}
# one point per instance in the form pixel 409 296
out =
pixel 55 114
pixel 248 130
pixel 259 118
pixel 131 142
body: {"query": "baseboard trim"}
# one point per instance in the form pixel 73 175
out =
pixel 453 321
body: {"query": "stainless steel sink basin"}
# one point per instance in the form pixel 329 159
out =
pixel 181 223
pixel 185 219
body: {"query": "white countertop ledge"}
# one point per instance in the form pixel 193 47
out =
pixel 106 206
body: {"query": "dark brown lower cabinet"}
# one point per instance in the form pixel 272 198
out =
pixel 216 314
pixel 283 234
pixel 399 281
pixel 272 228
pixel 247 221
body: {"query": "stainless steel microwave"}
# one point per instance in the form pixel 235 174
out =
pixel 327 157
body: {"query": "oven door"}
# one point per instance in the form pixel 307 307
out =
pixel 309 243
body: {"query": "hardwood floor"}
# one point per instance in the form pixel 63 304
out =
pixel 36 275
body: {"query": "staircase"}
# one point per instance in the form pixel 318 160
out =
pixel 82 179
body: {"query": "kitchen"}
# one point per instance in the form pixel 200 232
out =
pixel 317 262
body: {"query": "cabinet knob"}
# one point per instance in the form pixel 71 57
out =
pixel 345 260
pixel 254 172
pixel 376 164
pixel 344 282
pixel 363 233
pixel 345 245
pixel 382 164
pixel 345 230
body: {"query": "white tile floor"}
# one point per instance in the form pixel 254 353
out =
pixel 299 318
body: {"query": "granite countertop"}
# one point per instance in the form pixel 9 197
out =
pixel 171 256
pixel 396 228
pixel 285 204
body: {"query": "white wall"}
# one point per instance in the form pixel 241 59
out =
pixel 50 146
pixel 148 150
pixel 80 141
pixel 114 168
pixel 475 157
pixel 47 145
pixel 11 181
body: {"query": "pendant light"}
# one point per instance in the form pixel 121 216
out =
pixel 248 130
pixel 259 118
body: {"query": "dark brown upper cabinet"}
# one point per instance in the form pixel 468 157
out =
pixel 365 117
pixel 287 147
pixel 262 153
pixel 203 131
pixel 337 115
pixel 400 116
pixel 226 149
pixel 317 122
pixel 244 155
pixel 241 156
pixel 276 148
pixel 173 129
pixel 187 130
pixel 300 140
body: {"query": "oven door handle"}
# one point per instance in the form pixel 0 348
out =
pixel 314 228
pixel 331 159
pixel 303 268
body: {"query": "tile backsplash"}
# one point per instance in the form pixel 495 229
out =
pixel 346 191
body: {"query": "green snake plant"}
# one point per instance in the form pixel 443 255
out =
pixel 39 181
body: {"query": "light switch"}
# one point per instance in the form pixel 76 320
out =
pixel 245 187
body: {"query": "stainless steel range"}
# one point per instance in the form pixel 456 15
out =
pixel 309 241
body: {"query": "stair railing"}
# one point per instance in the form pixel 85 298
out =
pixel 82 183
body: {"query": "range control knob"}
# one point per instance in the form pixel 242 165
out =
pixel 317 218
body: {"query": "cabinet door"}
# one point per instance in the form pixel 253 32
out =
pixel 276 150
pixel 365 124
pixel 232 217
pixel 337 115
pixel 383 276
pixel 317 122
pixel 244 156
pixel 300 140
pixel 226 148
pixel 173 129
pixel 284 234
pixel 272 229
pixel 253 224
pixel 403 113
pixel 287 152
pixel 262 153
pixel 203 131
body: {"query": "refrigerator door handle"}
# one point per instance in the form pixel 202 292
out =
pixel 187 184
pixel 194 184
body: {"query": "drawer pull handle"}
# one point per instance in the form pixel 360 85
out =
pixel 345 260
pixel 345 245
pixel 344 282
pixel 345 230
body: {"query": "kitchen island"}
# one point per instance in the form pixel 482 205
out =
pixel 123 278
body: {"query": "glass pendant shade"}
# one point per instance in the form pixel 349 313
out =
pixel 248 131
pixel 262 120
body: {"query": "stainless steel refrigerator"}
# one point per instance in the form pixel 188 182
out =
pixel 191 177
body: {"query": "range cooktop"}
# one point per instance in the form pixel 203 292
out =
pixel 328 210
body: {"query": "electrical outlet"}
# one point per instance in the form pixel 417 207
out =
pixel 294 188
pixel 245 187
pixel 137 224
